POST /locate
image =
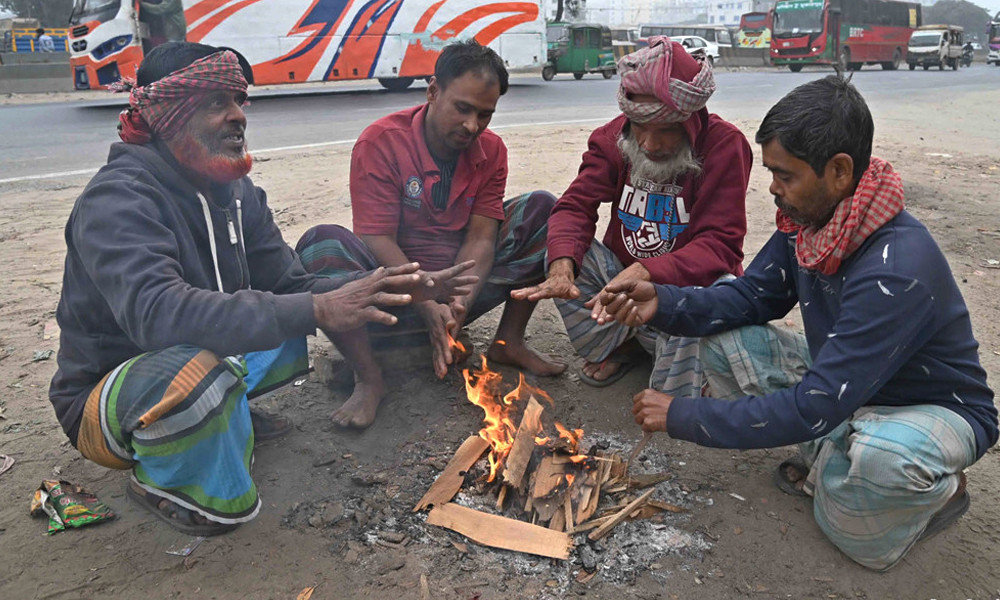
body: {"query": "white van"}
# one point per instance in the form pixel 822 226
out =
pixel 935 45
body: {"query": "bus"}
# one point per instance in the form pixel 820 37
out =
pixel 718 34
pixel 624 40
pixel 993 41
pixel 845 33
pixel 294 41
pixel 754 31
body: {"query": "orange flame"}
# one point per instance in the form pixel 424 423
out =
pixel 482 386
pixel 571 436
pixel 455 344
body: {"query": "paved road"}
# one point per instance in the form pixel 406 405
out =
pixel 40 140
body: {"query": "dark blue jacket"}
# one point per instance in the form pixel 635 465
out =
pixel 890 328
pixel 139 274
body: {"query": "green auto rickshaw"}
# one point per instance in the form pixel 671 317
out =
pixel 578 48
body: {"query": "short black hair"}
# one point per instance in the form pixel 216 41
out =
pixel 40 31
pixel 172 56
pixel 459 58
pixel 819 119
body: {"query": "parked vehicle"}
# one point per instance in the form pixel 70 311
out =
pixel 935 46
pixel 579 48
pixel 293 41
pixel 693 44
pixel 846 33
pixel 624 40
pixel 717 34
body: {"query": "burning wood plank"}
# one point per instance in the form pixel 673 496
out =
pixel 450 480
pixel 620 516
pixel 524 444
pixel 501 532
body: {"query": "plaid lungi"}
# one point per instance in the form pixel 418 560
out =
pixel 676 368
pixel 879 476
pixel 179 418
pixel 518 261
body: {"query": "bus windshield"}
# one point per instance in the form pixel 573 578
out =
pixel 798 16
pixel 94 10
pixel 925 40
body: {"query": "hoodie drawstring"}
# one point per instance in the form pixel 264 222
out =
pixel 243 235
pixel 211 240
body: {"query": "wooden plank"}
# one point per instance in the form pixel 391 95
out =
pixel 547 477
pixel 501 532
pixel 568 511
pixel 450 480
pixel 620 516
pixel 558 520
pixel 524 444
pixel 644 480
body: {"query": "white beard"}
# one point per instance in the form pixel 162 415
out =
pixel 658 171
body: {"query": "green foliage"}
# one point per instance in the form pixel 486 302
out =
pixel 51 13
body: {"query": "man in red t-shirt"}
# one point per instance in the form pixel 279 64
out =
pixel 676 177
pixel 427 185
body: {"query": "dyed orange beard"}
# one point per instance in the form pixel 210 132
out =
pixel 193 154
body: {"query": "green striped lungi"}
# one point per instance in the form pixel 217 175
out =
pixel 878 477
pixel 676 368
pixel 180 420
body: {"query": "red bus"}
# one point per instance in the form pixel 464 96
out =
pixel 848 33
pixel 755 30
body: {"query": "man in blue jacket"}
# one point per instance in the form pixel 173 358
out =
pixel 180 298
pixel 885 393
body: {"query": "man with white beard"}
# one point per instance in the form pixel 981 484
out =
pixel 676 177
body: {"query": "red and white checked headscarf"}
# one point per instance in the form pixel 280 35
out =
pixel 164 106
pixel 681 83
pixel 878 198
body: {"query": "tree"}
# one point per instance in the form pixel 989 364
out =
pixel 51 13
pixel 972 18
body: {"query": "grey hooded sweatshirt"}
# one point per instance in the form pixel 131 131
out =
pixel 151 263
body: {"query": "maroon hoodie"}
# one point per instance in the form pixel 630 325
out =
pixel 690 233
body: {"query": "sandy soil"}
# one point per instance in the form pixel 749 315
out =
pixel 327 493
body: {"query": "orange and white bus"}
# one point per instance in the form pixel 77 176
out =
pixel 294 41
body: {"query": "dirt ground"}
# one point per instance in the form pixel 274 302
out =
pixel 326 493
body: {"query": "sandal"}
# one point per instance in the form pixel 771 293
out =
pixel 267 426
pixel 180 518
pixel 628 355
pixel 785 484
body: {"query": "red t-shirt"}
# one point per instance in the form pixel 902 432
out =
pixel 392 173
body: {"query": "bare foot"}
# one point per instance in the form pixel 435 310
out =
pixel 520 355
pixel 602 370
pixel 796 477
pixel 359 410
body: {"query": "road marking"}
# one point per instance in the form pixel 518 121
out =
pixel 295 148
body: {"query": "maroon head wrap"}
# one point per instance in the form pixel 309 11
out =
pixel 681 83
pixel 164 106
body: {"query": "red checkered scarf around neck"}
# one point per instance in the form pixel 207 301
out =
pixel 877 199
pixel 651 71
pixel 164 106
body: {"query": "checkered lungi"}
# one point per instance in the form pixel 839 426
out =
pixel 518 261
pixel 180 419
pixel 879 476
pixel 676 368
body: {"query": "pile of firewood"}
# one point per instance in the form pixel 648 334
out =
pixel 551 490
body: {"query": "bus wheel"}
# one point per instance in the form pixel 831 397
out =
pixel 607 73
pixel 794 68
pixel 395 84
pixel 926 66
pixel 897 57
pixel 578 76
pixel 548 72
pixel 913 66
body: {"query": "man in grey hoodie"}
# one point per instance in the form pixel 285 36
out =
pixel 180 298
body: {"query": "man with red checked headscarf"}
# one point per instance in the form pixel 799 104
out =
pixel 676 177
pixel 180 298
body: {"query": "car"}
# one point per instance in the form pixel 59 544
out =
pixel 694 43
pixel 976 46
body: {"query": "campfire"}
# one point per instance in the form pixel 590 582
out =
pixel 548 487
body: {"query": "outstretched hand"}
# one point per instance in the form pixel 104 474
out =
pixel 358 302
pixel 446 284
pixel 558 284
pixel 631 303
